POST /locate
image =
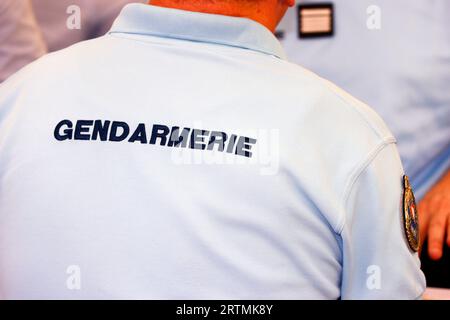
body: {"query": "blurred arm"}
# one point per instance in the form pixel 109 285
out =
pixel 20 39
pixel 434 215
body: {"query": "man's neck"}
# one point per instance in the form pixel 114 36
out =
pixel 244 9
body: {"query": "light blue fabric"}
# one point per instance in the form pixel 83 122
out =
pixel 313 211
pixel 402 70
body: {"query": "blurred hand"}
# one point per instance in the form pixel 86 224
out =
pixel 434 217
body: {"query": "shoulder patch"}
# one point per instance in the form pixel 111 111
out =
pixel 410 216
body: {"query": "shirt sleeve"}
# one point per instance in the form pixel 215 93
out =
pixel 378 262
pixel 20 38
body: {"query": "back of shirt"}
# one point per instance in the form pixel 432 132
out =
pixel 171 159
pixel 20 38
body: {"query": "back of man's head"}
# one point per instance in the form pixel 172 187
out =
pixel 266 12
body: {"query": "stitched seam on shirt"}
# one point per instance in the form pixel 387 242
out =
pixel 357 173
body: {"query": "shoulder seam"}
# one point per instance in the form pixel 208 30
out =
pixel 354 103
pixel 356 173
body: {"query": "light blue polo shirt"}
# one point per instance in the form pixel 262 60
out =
pixel 395 56
pixel 181 156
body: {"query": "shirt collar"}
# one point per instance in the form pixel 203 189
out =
pixel 137 18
